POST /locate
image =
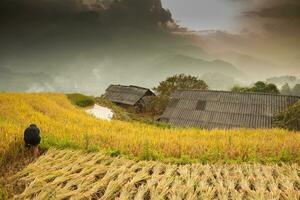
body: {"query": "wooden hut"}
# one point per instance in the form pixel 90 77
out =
pixel 224 110
pixel 129 97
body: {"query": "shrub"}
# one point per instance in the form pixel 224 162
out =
pixel 81 100
pixel 289 119
pixel 156 105
pixel 259 87
pixel 114 153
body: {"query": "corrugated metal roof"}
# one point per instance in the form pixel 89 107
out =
pixel 128 95
pixel 221 109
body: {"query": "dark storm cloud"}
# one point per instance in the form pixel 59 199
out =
pixel 67 17
pixel 35 26
pixel 36 10
pixel 274 17
pixel 66 39
pixel 287 10
pixel 77 9
pixel 273 26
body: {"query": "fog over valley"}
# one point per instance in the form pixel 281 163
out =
pixel 86 45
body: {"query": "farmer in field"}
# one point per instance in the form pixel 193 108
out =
pixel 32 139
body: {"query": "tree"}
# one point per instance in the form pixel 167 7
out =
pixel 262 87
pixel 156 105
pixel 179 82
pixel 289 119
pixel 259 87
pixel 240 89
pixel 271 88
pixel 286 90
pixel 296 90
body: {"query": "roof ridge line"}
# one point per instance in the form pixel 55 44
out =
pixel 223 91
pixel 130 86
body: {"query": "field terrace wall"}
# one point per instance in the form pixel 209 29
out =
pixel 224 110
pixel 129 97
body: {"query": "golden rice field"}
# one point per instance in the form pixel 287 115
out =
pixel 64 126
pixel 65 174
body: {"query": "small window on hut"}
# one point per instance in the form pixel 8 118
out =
pixel 173 103
pixel 201 105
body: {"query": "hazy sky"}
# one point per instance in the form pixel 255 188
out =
pixel 205 14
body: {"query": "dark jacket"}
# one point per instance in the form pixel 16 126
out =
pixel 32 136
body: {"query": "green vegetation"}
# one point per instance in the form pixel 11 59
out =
pixel 290 118
pixel 259 87
pixel 179 82
pixel 81 100
pixel 156 105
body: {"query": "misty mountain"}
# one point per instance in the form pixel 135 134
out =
pixel 282 80
pixel 198 67
pixel 251 52
pixel 192 51
pixel 250 65
pixel 68 45
pixel 14 81
pixel 219 81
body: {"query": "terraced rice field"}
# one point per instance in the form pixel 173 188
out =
pixel 66 174
pixel 65 126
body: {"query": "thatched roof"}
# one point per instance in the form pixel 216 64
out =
pixel 128 95
pixel 219 109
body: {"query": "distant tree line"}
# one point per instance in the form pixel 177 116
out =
pixel 270 88
pixel 287 90
pixel 259 87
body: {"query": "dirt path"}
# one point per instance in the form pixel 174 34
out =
pixel 77 175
